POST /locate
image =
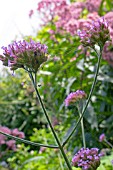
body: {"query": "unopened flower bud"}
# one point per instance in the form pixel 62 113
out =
pixel 102 137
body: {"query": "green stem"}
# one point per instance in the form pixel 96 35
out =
pixel 109 144
pixel 60 161
pixel 50 124
pixel 88 100
pixel 83 132
pixel 27 141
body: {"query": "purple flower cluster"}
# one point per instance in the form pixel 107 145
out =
pixel 23 54
pixel 68 14
pixel 11 144
pixel 93 5
pixel 87 159
pixel 97 33
pixel 74 97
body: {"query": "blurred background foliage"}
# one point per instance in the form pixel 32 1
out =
pixel 68 69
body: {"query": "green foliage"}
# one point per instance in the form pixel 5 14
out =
pixel 18 104
pixel 106 162
pixel 68 76
pixel 44 159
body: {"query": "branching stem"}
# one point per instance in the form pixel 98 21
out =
pixel 89 97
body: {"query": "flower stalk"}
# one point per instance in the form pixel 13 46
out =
pixel 89 97
pixel 82 128
pixel 27 141
pixel 49 122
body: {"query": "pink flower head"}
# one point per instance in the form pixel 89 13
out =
pixel 16 132
pixel 102 137
pixel 11 144
pixel 2 139
pixel 74 97
pixel 23 54
pixel 97 33
pixel 87 159
pixel 5 129
pixel 93 5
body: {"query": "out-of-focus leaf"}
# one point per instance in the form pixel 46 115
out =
pixel 91 117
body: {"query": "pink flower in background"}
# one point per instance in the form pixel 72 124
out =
pixel 107 53
pixel 42 149
pixel 93 5
pixel 51 32
pixel 84 23
pixel 69 15
pixel 11 144
pixel 5 129
pixel 102 137
pixel 109 18
pixel 16 132
pixel 2 139
pixel 49 8
pixel 21 135
pixel 73 97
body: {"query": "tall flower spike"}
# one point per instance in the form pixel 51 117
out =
pixel 74 97
pixel 87 159
pixel 23 54
pixel 97 33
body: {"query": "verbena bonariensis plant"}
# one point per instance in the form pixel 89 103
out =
pixel 30 56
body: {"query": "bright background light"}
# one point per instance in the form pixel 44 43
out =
pixel 14 20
